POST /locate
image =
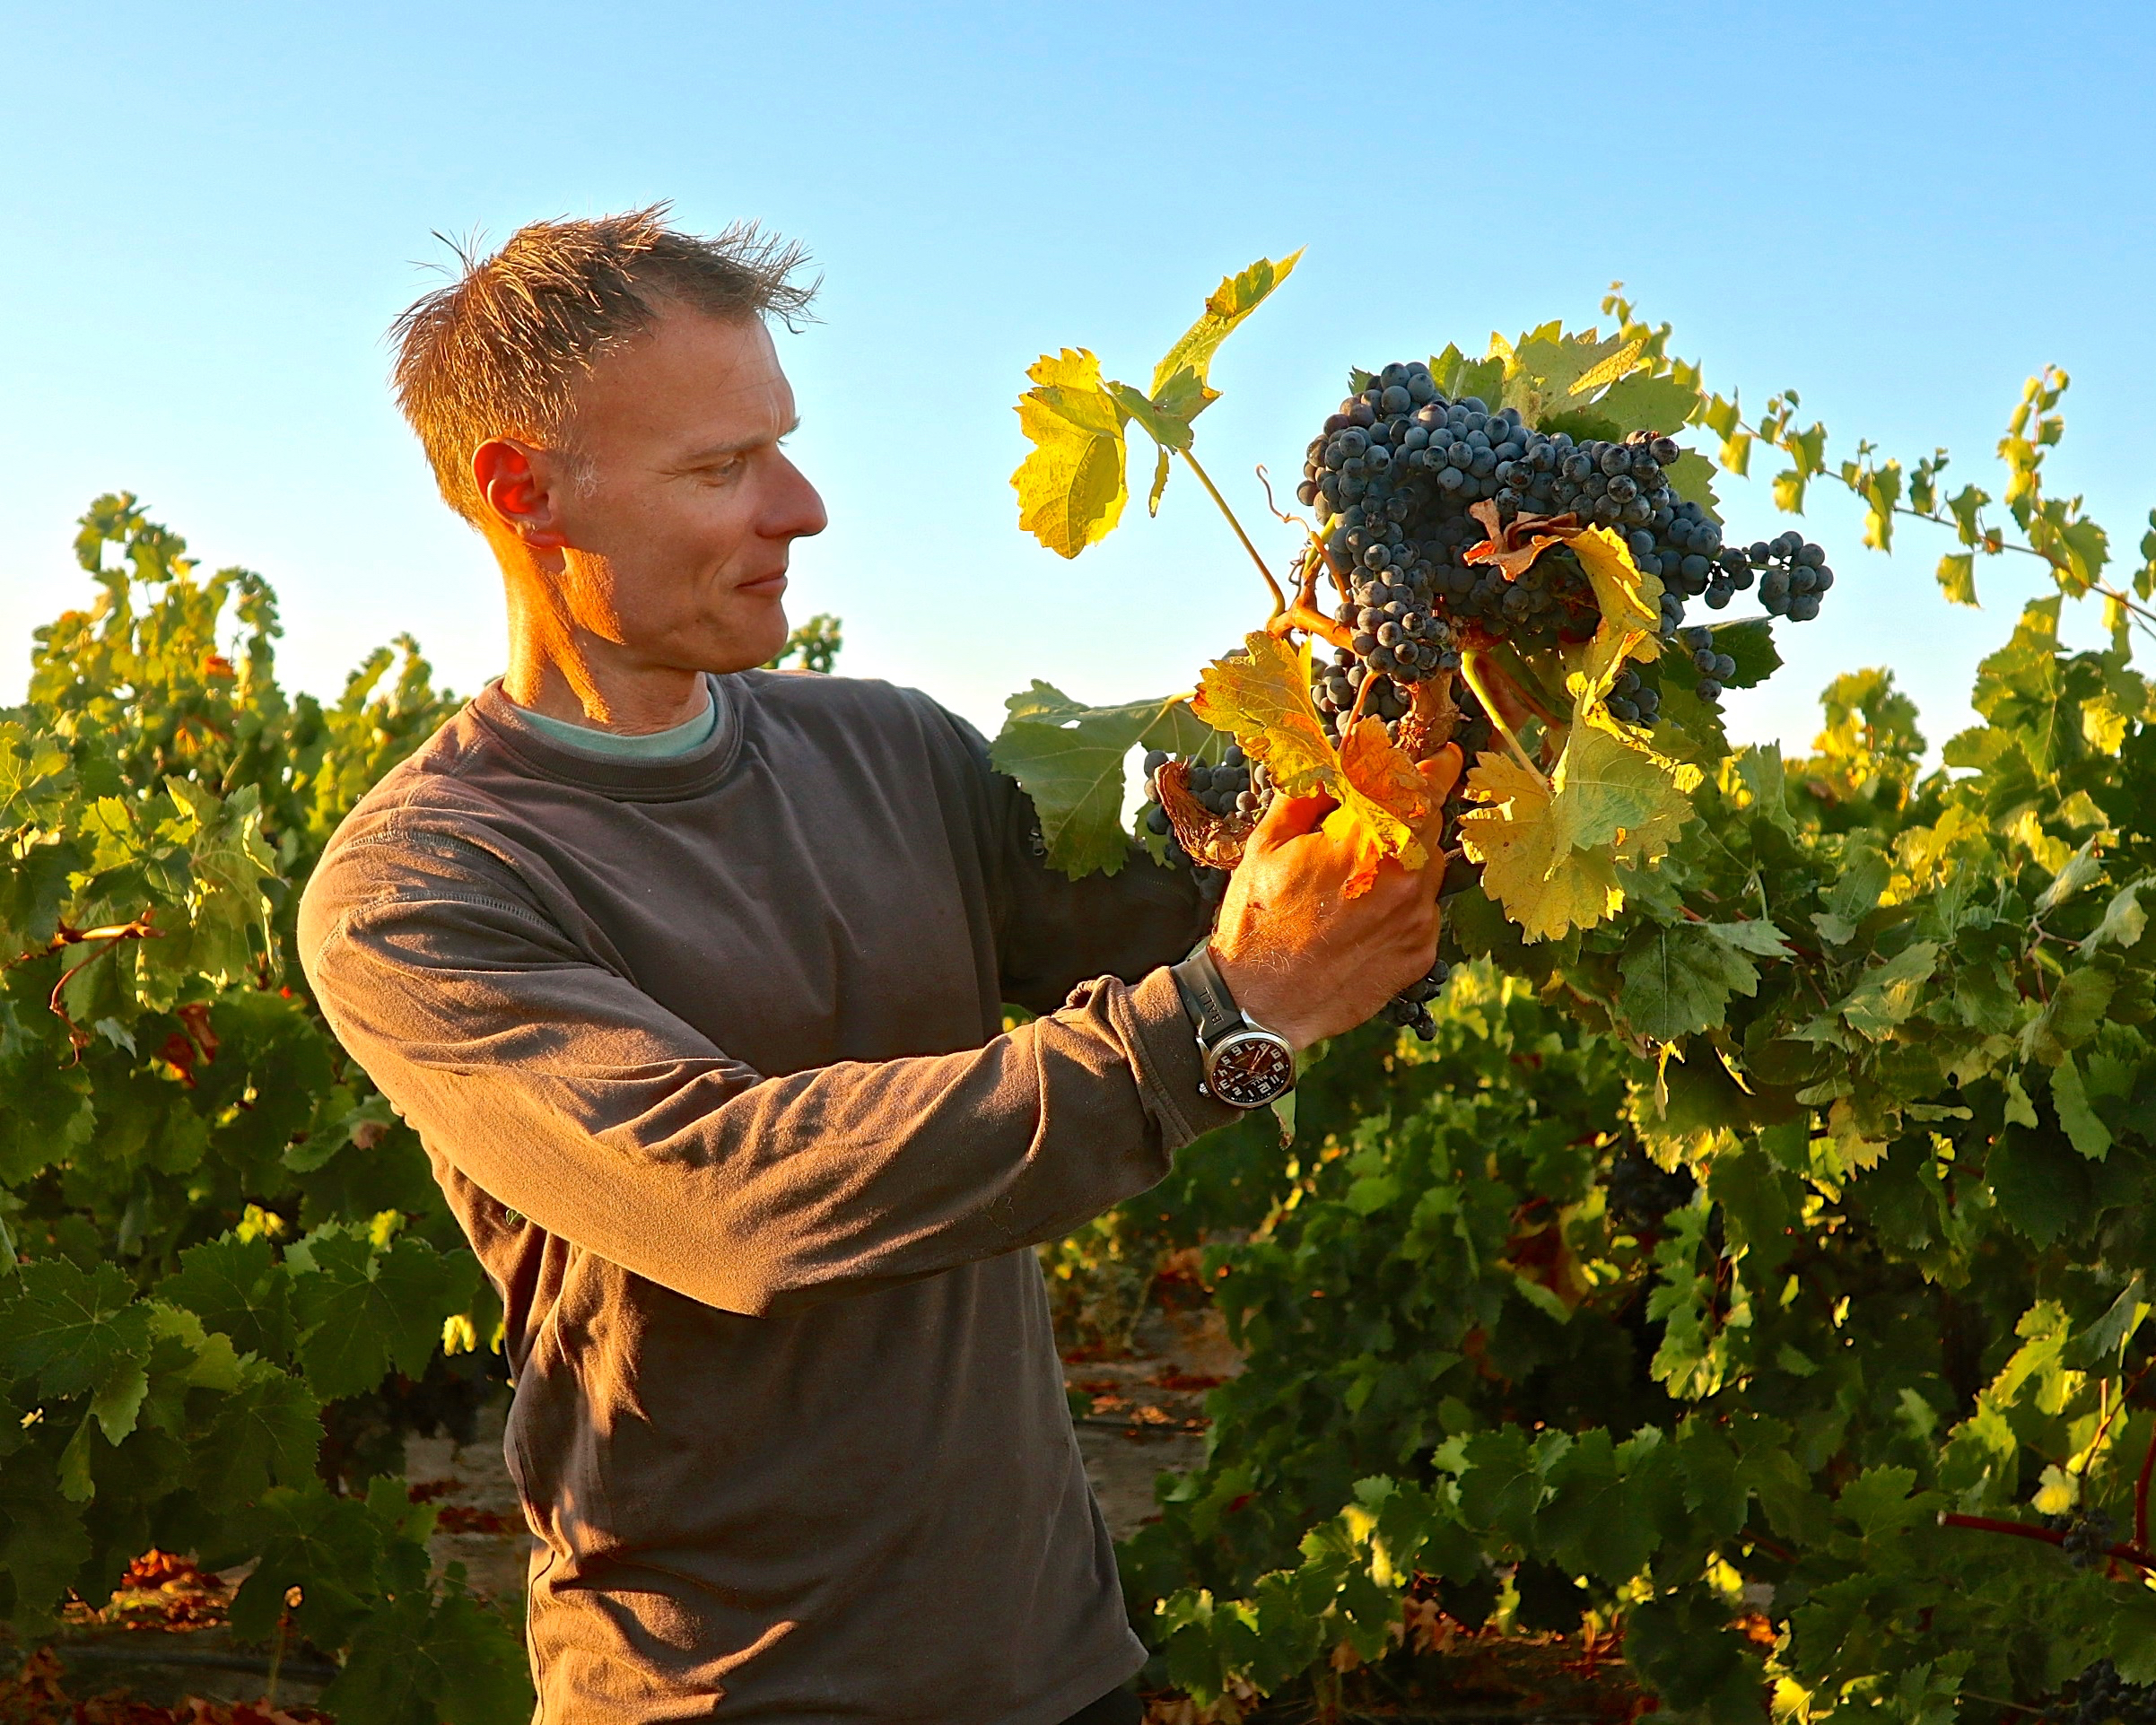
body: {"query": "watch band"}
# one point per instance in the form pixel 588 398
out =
pixel 1205 996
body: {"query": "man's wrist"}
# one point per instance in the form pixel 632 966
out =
pixel 1244 984
pixel 1247 1064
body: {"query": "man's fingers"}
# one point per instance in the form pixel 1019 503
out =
pixel 1441 773
pixel 1290 817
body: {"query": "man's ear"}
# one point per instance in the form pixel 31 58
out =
pixel 516 492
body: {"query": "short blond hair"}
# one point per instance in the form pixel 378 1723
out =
pixel 499 351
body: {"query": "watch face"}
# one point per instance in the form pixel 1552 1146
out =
pixel 1251 1068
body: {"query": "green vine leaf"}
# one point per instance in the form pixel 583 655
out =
pixel 1070 759
pixel 1677 980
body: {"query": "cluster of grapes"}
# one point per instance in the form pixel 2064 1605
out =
pixel 1796 575
pixel 2101 1695
pixel 1716 669
pixel 1239 786
pixel 1641 1194
pixel 1632 700
pixel 2089 1538
pixel 1236 785
pixel 1410 1009
pixel 1395 471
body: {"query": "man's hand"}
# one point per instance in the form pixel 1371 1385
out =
pixel 1299 956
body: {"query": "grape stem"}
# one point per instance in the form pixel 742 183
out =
pixel 2141 1495
pixel 1523 687
pixel 2021 1530
pixel 1311 623
pixel 1304 613
pixel 108 939
pixel 1470 669
pixel 1279 599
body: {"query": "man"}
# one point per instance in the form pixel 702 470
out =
pixel 690 977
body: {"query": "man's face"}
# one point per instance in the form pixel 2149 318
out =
pixel 679 510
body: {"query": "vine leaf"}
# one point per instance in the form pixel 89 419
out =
pixel 2074 1013
pixel 1751 643
pixel 1191 357
pixel 2124 923
pixel 1630 601
pixel 1263 696
pixel 1549 851
pixel 1679 980
pixel 2084 1131
pixel 1692 477
pixel 1547 371
pixel 1757 935
pixel 76 1330
pixel 363 1309
pixel 1610 793
pixel 1886 996
pixel 1385 772
pixel 270 1428
pixel 1545 886
pixel 1069 758
pixel 1168 429
pixel 1645 402
pixel 234 1285
pixel 1071 488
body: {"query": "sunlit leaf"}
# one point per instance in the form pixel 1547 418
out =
pixel 1263 696
pixel 1235 298
pixel 1071 488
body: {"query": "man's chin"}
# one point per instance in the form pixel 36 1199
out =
pixel 745 648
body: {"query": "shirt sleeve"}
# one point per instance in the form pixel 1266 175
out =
pixel 567 1093
pixel 1055 931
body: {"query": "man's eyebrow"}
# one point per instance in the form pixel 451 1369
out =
pixel 716 451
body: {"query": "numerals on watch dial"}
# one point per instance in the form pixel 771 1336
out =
pixel 1250 1069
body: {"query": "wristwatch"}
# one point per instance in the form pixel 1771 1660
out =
pixel 1246 1065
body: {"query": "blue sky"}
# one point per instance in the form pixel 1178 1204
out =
pixel 215 211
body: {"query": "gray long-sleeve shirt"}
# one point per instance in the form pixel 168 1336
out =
pixel 707 1053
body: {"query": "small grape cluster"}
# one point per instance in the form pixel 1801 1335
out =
pixel 2089 1538
pixel 1795 573
pixel 1235 785
pixel 1633 702
pixel 1410 1009
pixel 1238 786
pixel 1232 785
pixel 1716 670
pixel 1640 1194
pixel 2100 1695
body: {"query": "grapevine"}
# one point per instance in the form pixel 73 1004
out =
pixel 228 1283
pixel 1784 1123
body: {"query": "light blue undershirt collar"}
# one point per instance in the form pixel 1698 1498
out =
pixel 652 746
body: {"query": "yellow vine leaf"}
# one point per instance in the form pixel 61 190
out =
pixel 1549 852
pixel 1262 698
pixel 1228 305
pixel 1071 488
pixel 1630 601
pixel 1545 885
pixel 1385 772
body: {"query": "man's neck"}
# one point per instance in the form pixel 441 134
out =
pixel 563 671
pixel 580 694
